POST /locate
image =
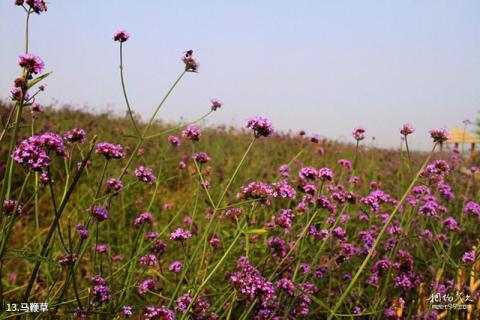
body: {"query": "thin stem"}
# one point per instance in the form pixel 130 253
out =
pixel 130 112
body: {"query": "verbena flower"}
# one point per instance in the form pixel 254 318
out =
pixel 469 257
pixel 175 267
pixel 75 135
pixel 407 129
pixel 261 126
pixel 99 213
pixel 121 36
pixel 358 133
pixel 127 311
pixel 148 260
pixel 145 174
pixel 192 133
pixel 82 231
pixel 144 218
pixel 68 259
pixel 109 150
pixel 147 285
pixel 439 135
pixel 113 185
pixel 216 104
pixel 180 235
pixel 158 313
pixel 191 64
pixel 32 63
pixel 174 141
pixel 201 157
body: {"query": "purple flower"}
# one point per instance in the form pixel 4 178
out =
pixel 261 127
pixel 174 141
pixel 250 284
pixel 345 163
pixel 109 151
pixel 145 174
pixel 37 6
pixel 31 63
pixel 216 104
pixel 284 190
pixel 359 133
pixel 308 173
pixel 315 138
pixel 10 206
pixel 176 267
pixel 16 94
pixel 144 217
pixel 31 154
pixel 191 64
pixel 158 247
pixel 113 185
pixel 325 174
pixel 121 36
pixel 36 108
pixel 158 313
pixel 255 190
pixel 147 285
pixel 451 224
pixel 101 294
pixel 148 260
pixel 82 231
pixel 192 133
pixel 439 135
pixel 180 235
pixel 101 248
pixel 99 213
pixel 183 302
pixel 75 135
pixel 201 157
pixel 127 311
pixel 68 259
pixel 472 208
pixel 469 257
pixel 407 129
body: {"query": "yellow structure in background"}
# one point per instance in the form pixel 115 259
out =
pixel 459 136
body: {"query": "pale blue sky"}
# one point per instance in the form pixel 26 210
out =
pixel 325 66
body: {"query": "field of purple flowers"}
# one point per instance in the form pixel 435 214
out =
pixel 108 217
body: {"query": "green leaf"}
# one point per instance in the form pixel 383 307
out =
pixel 31 256
pixel 38 79
pixel 256 231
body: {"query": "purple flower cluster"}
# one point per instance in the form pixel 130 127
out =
pixel 174 141
pixel 145 174
pixel 201 157
pixel 113 185
pixel 158 313
pixel 439 135
pixel 261 126
pixel 33 152
pixel 99 213
pixel 32 63
pixel 358 133
pixel 192 133
pixel 180 235
pixel 100 291
pixel 144 218
pixel 121 36
pixel 75 135
pixel 37 6
pixel 109 150
pixel 250 284
pixel 216 104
